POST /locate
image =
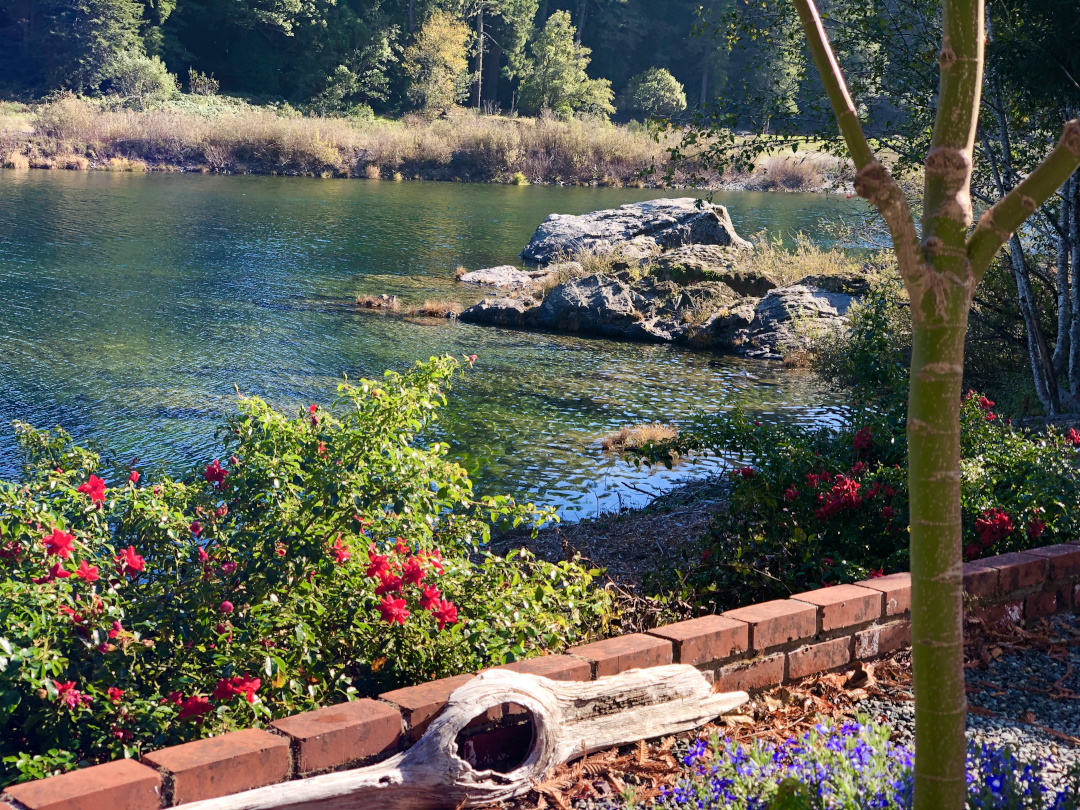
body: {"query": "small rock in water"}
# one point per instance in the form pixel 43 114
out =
pixel 505 276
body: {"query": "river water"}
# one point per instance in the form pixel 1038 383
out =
pixel 133 304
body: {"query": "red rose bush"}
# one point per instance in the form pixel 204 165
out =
pixel 319 558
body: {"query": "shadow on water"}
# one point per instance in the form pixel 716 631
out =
pixel 135 303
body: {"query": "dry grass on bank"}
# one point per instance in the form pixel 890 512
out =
pixel 221 134
pixel 631 438
pixel 789 264
pixel 245 139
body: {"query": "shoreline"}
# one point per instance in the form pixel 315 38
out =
pixel 219 135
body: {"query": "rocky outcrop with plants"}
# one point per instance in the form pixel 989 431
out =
pixel 671 271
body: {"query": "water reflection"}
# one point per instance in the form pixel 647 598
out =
pixel 134 304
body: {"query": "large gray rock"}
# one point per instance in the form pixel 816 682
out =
pixel 638 227
pixel 694 263
pixel 505 276
pixel 520 313
pixel 616 306
pixel 786 317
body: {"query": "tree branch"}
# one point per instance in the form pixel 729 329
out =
pixel 997 224
pixel 872 180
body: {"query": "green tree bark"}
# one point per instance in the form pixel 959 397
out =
pixel 940 271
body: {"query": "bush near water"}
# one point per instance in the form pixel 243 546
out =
pixel 323 557
pixel 817 506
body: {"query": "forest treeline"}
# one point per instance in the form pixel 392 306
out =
pixel 351 52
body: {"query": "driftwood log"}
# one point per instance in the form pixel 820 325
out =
pixel 568 719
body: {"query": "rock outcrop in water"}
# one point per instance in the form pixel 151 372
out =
pixel 673 274
pixel 638 229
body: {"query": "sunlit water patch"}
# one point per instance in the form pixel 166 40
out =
pixel 135 304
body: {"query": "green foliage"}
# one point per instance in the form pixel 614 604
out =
pixel 554 76
pixel 655 92
pixel 811 507
pixel 362 78
pixel 437 64
pixel 140 79
pixel 329 558
pixel 871 353
pixel 199 84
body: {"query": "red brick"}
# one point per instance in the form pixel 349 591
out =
pixel 1017 570
pixel 123 784
pixel 1006 612
pixel 421 703
pixel 1064 559
pixel 777 622
pixel 897 590
pixel 710 638
pixel 758 673
pixel 220 766
pixel 979 579
pixel 503 746
pixel 1040 604
pixel 332 736
pixel 819 657
pixel 555 667
pixel 614 655
pixel 844 605
pixel 882 639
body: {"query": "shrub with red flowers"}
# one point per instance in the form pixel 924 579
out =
pixel 822 506
pixel 316 560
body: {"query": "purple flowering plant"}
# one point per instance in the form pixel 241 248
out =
pixel 848 766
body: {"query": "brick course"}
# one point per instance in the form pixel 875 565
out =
pixel 1017 570
pixel 1064 559
pixel 710 638
pixel 614 655
pixel 326 738
pixel 819 657
pixel 843 605
pixel 123 784
pixel 897 591
pixel 219 766
pixel 757 673
pixel 777 622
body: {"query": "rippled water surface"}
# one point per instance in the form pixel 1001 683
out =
pixel 133 304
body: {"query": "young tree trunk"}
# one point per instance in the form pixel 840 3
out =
pixel 1042 366
pixel 1074 353
pixel 479 63
pixel 412 17
pixel 493 67
pixel 940 272
pixel 705 83
pixel 937 364
pixel 1064 291
pixel 582 13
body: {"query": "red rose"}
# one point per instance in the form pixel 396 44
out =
pixel 195 528
pixel 59 543
pixel 377 563
pixel 431 597
pixel 115 695
pixel 445 613
pixel 194 706
pixel 393 610
pixel 128 562
pixel 56 572
pixel 340 552
pixel 95 488
pixel 87 572
pixel 226 606
pixel 134 477
pixel 412 572
pixel 215 474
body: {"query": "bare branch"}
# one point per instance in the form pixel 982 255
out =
pixel 999 223
pixel 872 180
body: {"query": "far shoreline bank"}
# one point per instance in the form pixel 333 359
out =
pixel 212 135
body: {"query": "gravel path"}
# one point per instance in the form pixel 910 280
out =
pixel 1028 700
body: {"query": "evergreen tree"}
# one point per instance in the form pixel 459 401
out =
pixel 554 76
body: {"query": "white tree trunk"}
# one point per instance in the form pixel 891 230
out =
pixel 569 719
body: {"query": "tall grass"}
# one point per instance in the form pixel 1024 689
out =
pixel 219 134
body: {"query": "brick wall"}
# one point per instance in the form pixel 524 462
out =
pixel 750 648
